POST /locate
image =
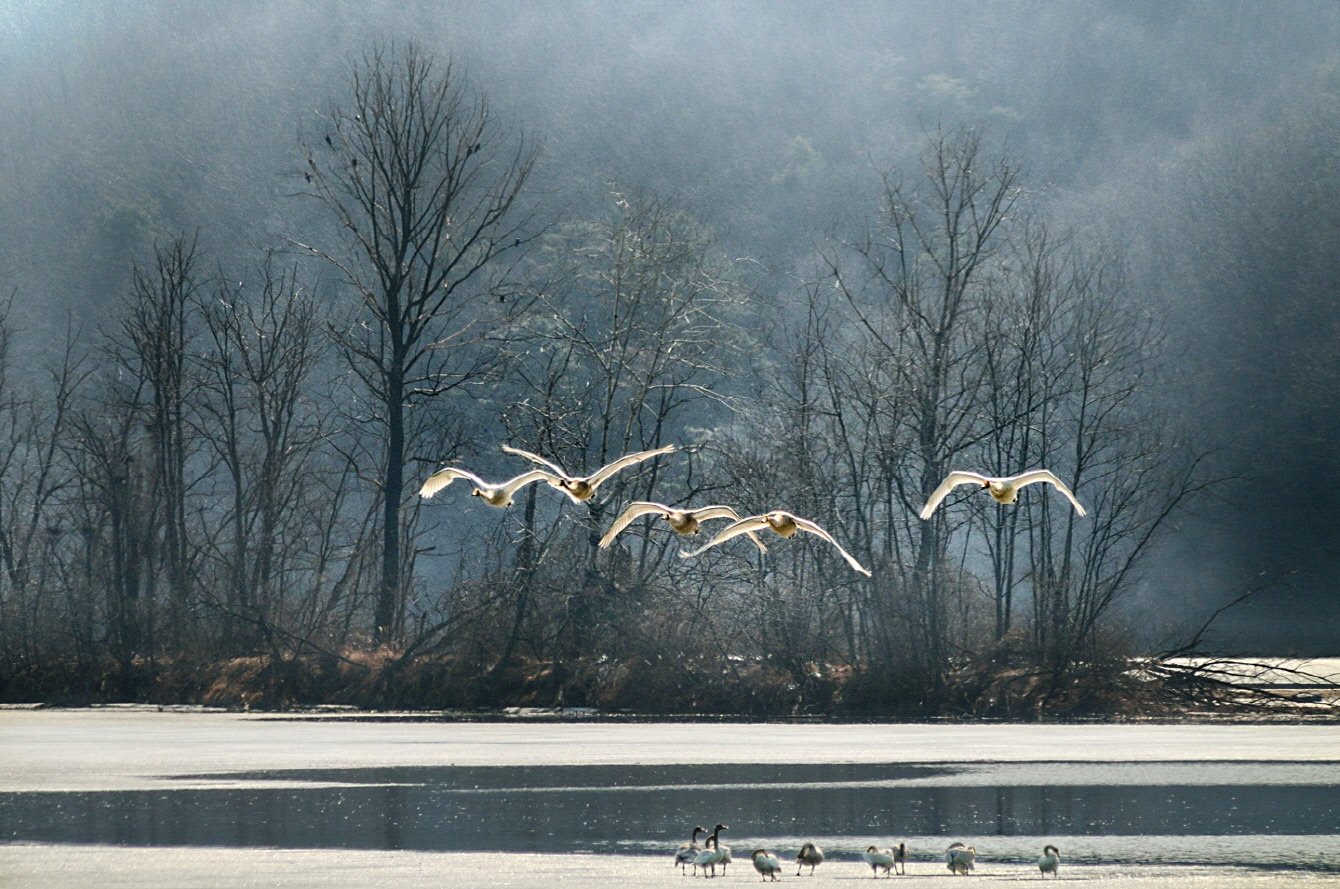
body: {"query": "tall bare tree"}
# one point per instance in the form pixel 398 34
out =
pixel 638 327
pixel 261 413
pixel 152 347
pixel 915 283
pixel 423 184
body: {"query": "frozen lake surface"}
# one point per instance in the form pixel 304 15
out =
pixel 189 795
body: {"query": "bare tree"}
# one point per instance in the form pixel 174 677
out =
pixel 915 284
pixel 37 617
pixel 262 413
pixel 423 184
pixel 626 351
pixel 152 347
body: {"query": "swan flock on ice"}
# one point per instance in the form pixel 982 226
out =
pixel 704 858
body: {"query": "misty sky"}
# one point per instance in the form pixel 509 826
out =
pixel 1198 137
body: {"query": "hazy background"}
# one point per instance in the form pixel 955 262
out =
pixel 1202 138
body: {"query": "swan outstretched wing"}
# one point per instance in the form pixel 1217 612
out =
pixel 624 462
pixel 812 528
pixel 1043 475
pixel 952 481
pixel 510 486
pixel 743 526
pixel 443 477
pixel 536 458
pixel 708 513
pixel 705 513
pixel 628 516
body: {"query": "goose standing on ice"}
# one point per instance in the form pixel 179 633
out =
pixel 878 858
pixel 1003 489
pixel 785 524
pixel 499 495
pixel 682 521
pixel 711 855
pixel 809 854
pixel 960 858
pixel 688 851
pixel 766 863
pixel 900 858
pixel 583 487
pixel 1050 862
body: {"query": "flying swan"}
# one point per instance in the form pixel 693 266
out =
pixel 494 495
pixel 583 487
pixel 785 524
pixel 1004 489
pixel 682 521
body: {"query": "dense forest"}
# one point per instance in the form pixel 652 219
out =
pixel 255 303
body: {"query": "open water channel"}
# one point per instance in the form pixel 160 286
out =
pixel 1266 797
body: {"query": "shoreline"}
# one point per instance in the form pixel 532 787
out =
pixel 36 866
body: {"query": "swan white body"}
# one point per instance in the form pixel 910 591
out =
pixel 682 521
pixel 709 857
pixel 687 852
pixel 499 495
pixel 785 524
pixel 766 863
pixel 583 487
pixel 960 858
pixel 712 854
pixel 1003 489
pixel 1050 862
pixel 809 854
pixel 878 859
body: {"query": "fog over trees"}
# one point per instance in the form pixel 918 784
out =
pixel 266 267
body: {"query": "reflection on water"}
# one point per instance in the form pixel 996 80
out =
pixel 638 809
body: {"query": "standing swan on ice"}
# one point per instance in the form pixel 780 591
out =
pixel 1003 489
pixel 583 487
pixel 878 858
pixel 711 855
pixel 682 521
pixel 809 854
pixel 499 495
pixel 960 858
pixel 766 863
pixel 688 851
pixel 785 524
pixel 1050 862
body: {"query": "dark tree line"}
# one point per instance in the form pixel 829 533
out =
pixel 232 473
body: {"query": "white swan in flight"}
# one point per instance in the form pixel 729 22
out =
pixel 1003 489
pixel 681 521
pixel 1050 862
pixel 960 858
pixel 494 494
pixel 809 854
pixel 583 487
pixel 785 524
pixel 878 859
pixel 767 864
